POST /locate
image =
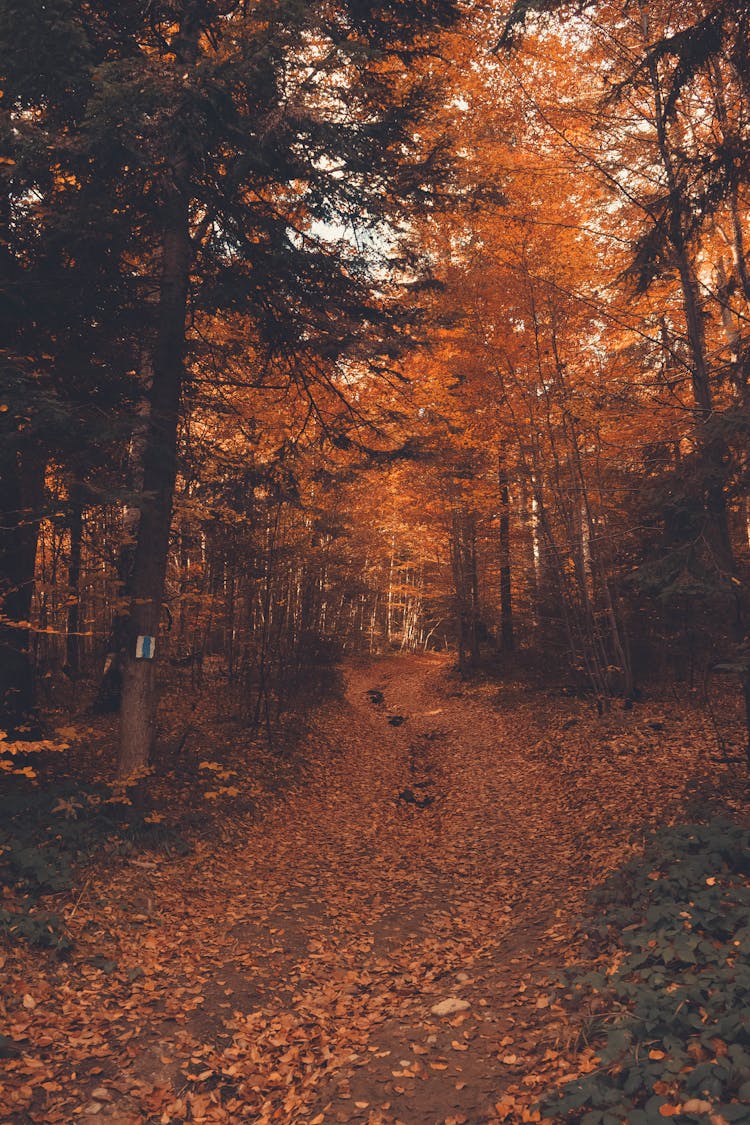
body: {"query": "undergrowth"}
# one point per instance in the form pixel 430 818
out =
pixel 673 934
pixel 45 832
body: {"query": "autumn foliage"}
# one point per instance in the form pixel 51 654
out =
pixel 335 332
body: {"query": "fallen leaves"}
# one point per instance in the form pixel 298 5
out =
pixel 302 970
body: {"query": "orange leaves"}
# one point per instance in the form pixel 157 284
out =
pixel 693 1105
pixel 510 1109
pixel 290 971
pixel 11 748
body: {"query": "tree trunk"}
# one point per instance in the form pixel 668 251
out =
pixel 138 708
pixel 21 494
pixel 72 638
pixel 459 587
pixel 507 640
pixel 474 590
pixel 109 693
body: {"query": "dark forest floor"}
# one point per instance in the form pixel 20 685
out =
pixel 289 967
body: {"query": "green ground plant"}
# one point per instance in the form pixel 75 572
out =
pixel 673 931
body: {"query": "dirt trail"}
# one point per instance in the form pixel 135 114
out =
pixel 430 855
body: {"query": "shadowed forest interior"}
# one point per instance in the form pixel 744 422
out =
pixel 375 561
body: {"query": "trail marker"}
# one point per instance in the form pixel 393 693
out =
pixel 145 648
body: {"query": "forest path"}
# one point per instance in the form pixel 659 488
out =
pixel 291 978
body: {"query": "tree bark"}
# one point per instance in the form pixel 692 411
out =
pixel 138 707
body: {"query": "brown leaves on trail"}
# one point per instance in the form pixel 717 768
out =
pixel 302 973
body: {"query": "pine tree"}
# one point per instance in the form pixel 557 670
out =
pixel 250 160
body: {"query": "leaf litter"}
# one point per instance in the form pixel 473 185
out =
pixel 349 956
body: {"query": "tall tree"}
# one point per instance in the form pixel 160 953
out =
pixel 261 156
pixel 63 302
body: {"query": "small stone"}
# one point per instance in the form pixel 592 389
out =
pixel 93 1108
pixel 102 1094
pixel 450 1006
pixel 463 977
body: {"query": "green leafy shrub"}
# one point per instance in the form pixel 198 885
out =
pixel 35 926
pixel 44 831
pixel 674 926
